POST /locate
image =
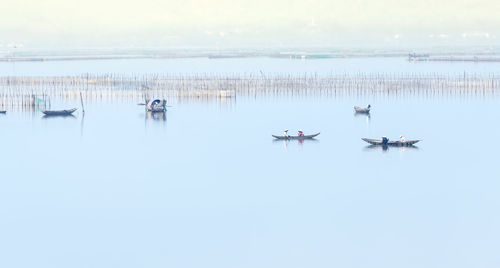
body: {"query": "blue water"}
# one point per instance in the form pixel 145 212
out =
pixel 206 66
pixel 207 186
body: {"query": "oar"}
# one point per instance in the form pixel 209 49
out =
pixel 145 104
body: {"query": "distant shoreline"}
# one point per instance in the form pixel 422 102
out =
pixel 210 56
pixel 477 57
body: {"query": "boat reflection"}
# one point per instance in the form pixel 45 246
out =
pixel 59 116
pixel 358 114
pixel 386 147
pixel 156 116
pixel 300 143
pixel 365 115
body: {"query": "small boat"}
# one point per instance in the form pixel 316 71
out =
pixel 386 142
pixel 3 112
pixel 362 110
pixel 305 137
pixel 156 106
pixel 60 113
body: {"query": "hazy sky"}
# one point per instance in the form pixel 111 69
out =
pixel 257 23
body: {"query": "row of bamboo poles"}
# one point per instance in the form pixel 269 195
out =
pixel 24 90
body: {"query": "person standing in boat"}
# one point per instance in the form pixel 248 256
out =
pixel 301 134
pixel 285 132
pixel 402 138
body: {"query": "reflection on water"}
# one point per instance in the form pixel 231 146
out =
pixel 386 147
pixel 357 114
pixel 156 116
pixel 367 116
pixel 81 124
pixel 65 116
pixel 300 143
pixel 152 119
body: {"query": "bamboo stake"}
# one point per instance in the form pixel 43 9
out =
pixel 81 100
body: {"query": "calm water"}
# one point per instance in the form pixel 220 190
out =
pixel 207 66
pixel 206 186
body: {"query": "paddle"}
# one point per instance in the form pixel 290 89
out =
pixel 140 104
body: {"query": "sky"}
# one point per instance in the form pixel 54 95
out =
pixel 257 23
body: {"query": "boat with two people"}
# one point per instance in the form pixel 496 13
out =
pixel 386 142
pixel 300 136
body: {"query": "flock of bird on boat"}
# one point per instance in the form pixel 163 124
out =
pixel 160 106
pixel 384 142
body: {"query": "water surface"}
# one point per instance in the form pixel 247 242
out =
pixel 271 66
pixel 206 185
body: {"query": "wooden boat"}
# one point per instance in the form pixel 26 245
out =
pixel 305 137
pixel 156 106
pixel 60 113
pixel 391 143
pixel 362 110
